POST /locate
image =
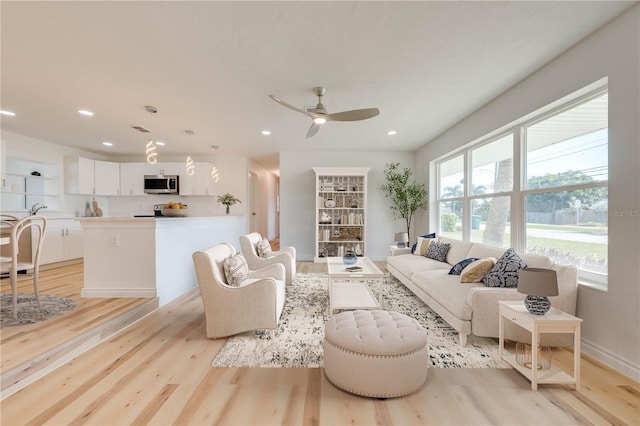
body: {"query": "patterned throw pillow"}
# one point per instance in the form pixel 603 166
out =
pixel 505 272
pixel 420 239
pixel 438 251
pixel 264 248
pixel 236 269
pixel 458 267
pixel 475 271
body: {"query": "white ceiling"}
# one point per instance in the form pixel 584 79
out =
pixel 210 66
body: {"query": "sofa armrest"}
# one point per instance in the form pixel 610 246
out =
pixel 275 270
pixel 484 300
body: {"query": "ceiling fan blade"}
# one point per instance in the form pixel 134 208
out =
pixel 313 129
pixel 283 103
pixel 353 115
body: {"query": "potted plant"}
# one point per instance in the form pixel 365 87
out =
pixel 406 197
pixel 228 200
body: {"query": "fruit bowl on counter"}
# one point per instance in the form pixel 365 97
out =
pixel 172 209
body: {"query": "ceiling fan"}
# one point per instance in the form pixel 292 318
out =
pixel 319 114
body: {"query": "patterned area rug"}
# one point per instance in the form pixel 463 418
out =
pixel 28 311
pixel 298 339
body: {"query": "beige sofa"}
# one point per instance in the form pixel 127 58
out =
pixel 473 308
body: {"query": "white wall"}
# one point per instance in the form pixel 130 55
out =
pixel 610 330
pixel 298 198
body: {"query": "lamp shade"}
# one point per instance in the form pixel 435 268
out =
pixel 538 282
pixel 401 237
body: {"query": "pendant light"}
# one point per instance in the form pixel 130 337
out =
pixel 215 174
pixel 151 145
pixel 190 167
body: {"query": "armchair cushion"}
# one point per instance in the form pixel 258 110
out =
pixel 236 269
pixel 264 248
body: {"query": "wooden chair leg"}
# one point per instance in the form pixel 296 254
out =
pixel 14 290
pixel 35 287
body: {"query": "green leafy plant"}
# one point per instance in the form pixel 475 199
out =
pixel 406 196
pixel 228 200
pixel 448 221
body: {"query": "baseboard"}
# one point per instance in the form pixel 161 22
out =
pixel 611 360
pixel 119 292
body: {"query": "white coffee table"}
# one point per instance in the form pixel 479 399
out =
pixel 349 290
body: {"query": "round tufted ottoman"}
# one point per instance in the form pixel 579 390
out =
pixel 375 353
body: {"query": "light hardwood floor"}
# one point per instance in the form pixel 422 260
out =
pixel 157 371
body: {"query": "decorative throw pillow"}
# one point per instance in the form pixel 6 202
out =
pixel 438 251
pixel 264 248
pixel 236 269
pixel 458 267
pixel 415 245
pixel 476 270
pixel 505 272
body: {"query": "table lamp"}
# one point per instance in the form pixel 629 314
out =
pixel 537 284
pixel 401 239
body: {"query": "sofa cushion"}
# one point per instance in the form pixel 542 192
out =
pixel 476 270
pixel 458 267
pixel 422 245
pixel 481 250
pixel 431 235
pixel 447 290
pixel 437 251
pixel 536 260
pixel 264 248
pixel 236 269
pixel 457 251
pixel 505 272
pixel 409 264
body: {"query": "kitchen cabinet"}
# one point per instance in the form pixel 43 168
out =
pixel 132 178
pixel 106 178
pixel 91 177
pixel 200 183
pixel 63 241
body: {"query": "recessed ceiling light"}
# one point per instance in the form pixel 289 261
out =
pixel 266 132
pixel 391 132
pixel 9 113
pixel 160 143
pixel 85 112
pixel 105 143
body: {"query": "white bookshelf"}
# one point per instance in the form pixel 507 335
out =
pixel 342 227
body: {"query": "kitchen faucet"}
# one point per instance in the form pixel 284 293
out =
pixel 35 208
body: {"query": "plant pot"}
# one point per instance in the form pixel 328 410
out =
pixel 227 209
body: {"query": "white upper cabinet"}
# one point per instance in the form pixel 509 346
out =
pixel 91 177
pixel 200 183
pixel 107 178
pixel 132 178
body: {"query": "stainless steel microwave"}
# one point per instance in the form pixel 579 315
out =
pixel 166 184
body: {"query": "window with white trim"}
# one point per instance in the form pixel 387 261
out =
pixel 541 188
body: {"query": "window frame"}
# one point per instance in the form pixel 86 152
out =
pixel 519 192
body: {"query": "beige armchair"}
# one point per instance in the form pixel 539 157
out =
pixel 256 303
pixel 286 256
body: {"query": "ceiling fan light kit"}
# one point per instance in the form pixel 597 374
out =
pixel 319 114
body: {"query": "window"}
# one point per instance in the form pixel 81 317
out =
pixel 541 188
pixel 565 190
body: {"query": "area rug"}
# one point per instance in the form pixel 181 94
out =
pixel 28 311
pixel 298 338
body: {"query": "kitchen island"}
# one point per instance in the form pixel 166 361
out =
pixel 150 256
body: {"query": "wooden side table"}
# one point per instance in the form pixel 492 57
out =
pixel 396 251
pixel 554 321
